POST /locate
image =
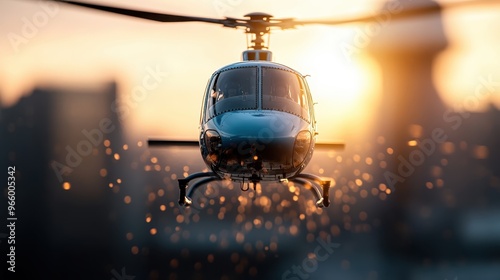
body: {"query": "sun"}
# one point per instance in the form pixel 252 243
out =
pixel 346 89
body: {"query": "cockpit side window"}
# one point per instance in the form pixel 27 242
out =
pixel 284 91
pixel 209 98
pixel 231 90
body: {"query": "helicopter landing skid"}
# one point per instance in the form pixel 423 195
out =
pixel 185 199
pixel 314 182
pixel 316 185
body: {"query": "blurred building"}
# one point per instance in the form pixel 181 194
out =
pixel 442 165
pixel 55 139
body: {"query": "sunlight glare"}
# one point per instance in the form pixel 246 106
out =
pixel 346 89
pixel 466 74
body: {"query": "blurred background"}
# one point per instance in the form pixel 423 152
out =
pixel 415 193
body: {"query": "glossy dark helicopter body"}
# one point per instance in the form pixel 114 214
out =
pixel 257 122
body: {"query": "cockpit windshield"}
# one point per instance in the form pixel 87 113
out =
pixel 284 91
pixel 238 89
pixel 231 90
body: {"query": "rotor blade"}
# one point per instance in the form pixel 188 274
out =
pixel 397 13
pixel 371 18
pixel 172 143
pixel 160 17
pixel 330 146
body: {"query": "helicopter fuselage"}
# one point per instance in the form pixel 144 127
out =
pixel 257 122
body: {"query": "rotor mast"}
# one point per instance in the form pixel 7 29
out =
pixel 257 27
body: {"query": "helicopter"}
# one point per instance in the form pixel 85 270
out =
pixel 257 120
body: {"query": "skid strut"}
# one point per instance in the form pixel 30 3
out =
pixel 319 187
pixel 185 199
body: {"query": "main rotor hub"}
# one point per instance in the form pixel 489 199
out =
pixel 259 16
pixel 257 26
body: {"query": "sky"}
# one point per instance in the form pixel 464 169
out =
pixel 43 43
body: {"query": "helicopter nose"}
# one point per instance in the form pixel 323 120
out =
pixel 258 128
pixel 262 140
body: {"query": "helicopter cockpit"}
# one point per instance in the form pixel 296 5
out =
pixel 232 90
pixel 254 87
pixel 284 91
